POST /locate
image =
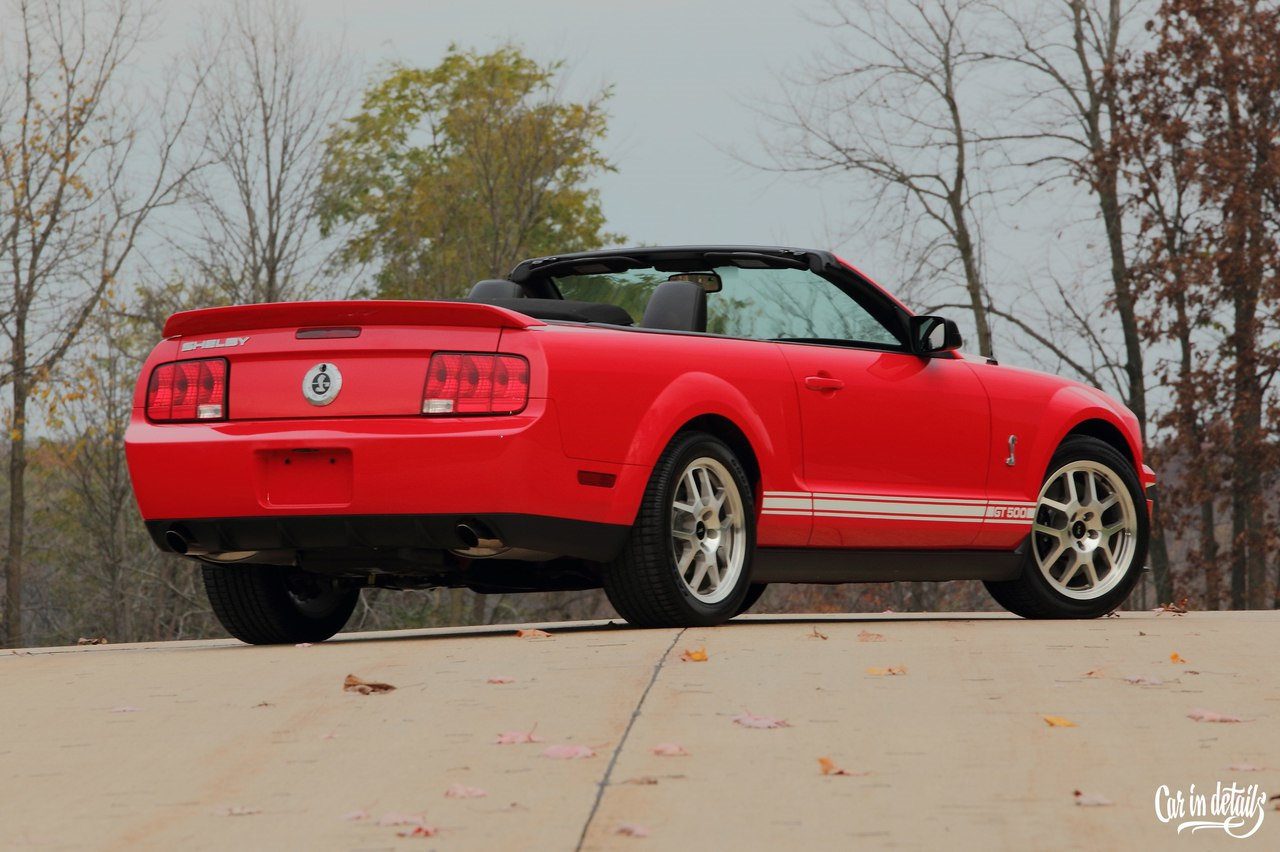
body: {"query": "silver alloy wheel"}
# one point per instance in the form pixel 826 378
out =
pixel 1085 530
pixel 708 530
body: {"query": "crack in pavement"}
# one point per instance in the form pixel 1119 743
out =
pixel 622 741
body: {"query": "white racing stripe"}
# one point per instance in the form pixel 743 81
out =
pixel 884 508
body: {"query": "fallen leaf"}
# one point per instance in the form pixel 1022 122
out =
pixel 99 640
pixel 828 767
pixel 568 752
pixel 670 750
pixel 462 791
pixel 237 810
pixel 1091 800
pixel 1092 673
pixel 533 634
pixel 643 779
pixel 751 720
pixel 1202 715
pixel 631 829
pixel 1175 608
pixel 891 670
pixel 817 635
pixel 364 687
pixel 518 737
pixel 1144 680
pixel 868 636
pixel 698 656
pixel 501 679
pixel 420 831
pixel 1175 657
pixel 1140 633
pixel 1115 613
pixel 1058 722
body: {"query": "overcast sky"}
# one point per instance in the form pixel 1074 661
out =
pixel 684 76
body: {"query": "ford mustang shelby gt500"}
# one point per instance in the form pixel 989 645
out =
pixel 682 426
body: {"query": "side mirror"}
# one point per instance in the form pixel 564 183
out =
pixel 931 335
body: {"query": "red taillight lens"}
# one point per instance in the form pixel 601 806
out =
pixel 475 383
pixel 188 390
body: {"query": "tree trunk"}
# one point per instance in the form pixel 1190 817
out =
pixel 13 561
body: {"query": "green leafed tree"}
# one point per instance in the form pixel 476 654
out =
pixel 452 174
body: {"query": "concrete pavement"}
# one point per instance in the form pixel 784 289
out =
pixel 956 731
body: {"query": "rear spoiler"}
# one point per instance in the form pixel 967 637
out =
pixel 313 314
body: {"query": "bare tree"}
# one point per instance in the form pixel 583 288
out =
pixel 888 106
pixel 272 95
pixel 73 201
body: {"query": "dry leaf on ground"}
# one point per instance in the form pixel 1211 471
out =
pixel 1175 657
pixel 1175 608
pixel 419 831
pixel 533 634
pixel 670 750
pixel 632 829
pixel 1144 680
pixel 462 791
pixel 237 810
pixel 568 752
pixel 97 640
pixel 1092 673
pixel 868 636
pixel 364 687
pixel 828 767
pixel 501 679
pixel 698 656
pixel 750 720
pixel 817 635
pixel 518 737
pixel 1058 722
pixel 889 671
pixel 1201 715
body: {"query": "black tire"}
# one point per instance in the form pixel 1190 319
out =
pixel 753 596
pixel 271 605
pixel 1089 541
pixel 688 560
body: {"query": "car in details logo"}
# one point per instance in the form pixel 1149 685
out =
pixel 1234 809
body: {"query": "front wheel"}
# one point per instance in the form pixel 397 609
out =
pixel 271 605
pixel 688 560
pixel 1088 541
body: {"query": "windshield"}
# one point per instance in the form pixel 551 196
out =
pixel 757 303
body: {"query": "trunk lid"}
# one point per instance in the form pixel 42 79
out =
pixel 334 359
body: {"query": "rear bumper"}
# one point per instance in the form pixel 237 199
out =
pixel 373 482
pixel 371 543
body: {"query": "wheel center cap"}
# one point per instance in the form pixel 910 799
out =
pixel 1078 529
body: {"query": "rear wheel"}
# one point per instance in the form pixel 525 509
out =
pixel 688 560
pixel 268 605
pixel 1089 538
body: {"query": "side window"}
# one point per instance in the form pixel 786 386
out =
pixel 790 304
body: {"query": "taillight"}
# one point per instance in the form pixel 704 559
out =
pixel 475 383
pixel 188 390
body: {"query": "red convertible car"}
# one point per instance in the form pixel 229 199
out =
pixel 681 426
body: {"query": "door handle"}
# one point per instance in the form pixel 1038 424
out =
pixel 823 383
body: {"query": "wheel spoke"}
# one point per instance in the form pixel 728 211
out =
pixel 1061 546
pixel 1070 573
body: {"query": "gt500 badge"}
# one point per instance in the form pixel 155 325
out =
pixel 321 384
